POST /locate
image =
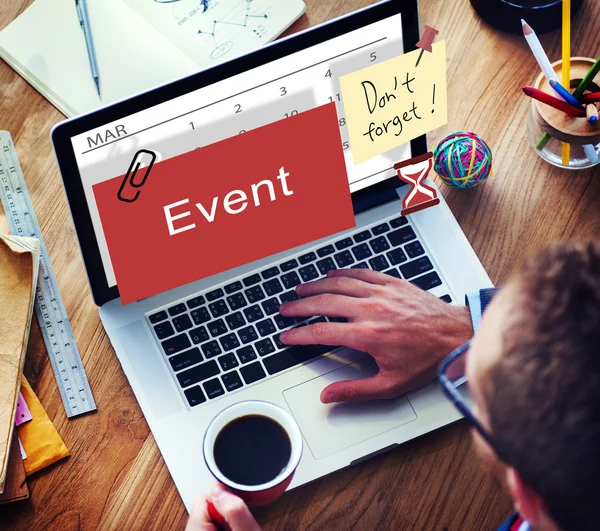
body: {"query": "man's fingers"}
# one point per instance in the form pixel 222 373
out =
pixel 199 518
pixel 233 509
pixel 370 388
pixel 332 334
pixel 324 304
pixel 366 275
pixel 340 285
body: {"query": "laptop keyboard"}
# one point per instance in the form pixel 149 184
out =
pixel 227 338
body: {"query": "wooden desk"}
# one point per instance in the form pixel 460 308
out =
pixel 116 479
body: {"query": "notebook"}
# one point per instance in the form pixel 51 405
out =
pixel 139 44
pixel 19 262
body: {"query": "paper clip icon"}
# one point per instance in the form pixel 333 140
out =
pixel 129 180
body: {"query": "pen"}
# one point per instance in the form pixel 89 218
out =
pixel 84 21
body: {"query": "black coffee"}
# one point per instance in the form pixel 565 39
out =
pixel 252 450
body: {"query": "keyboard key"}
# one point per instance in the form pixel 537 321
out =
pixel 157 317
pixel 344 259
pixel 270 273
pixel 271 306
pixel 414 249
pixel 254 313
pixel 272 287
pixel 232 288
pixel 398 222
pixel 327 250
pixel 266 327
pixel 325 265
pixel 199 335
pixel 446 298
pixel 228 361
pixel 265 346
pixel 360 265
pixel 428 281
pixel 199 373
pixel 393 273
pixel 400 236
pixel 232 381
pixel 253 372
pixel 176 344
pixel 317 320
pixel 362 251
pixel 255 294
pixel 246 354
pixel 283 322
pixel 229 342
pixel 397 256
pixel 182 323
pixel 213 388
pixel 289 296
pixel 185 359
pixel 214 295
pixel 379 245
pixel 211 349
pixel 251 280
pixel 380 229
pixel 306 258
pixel 218 308
pixel 163 330
pixel 235 320
pixel 344 244
pixel 362 236
pixel 248 334
pixel 308 273
pixel 290 280
pixel 379 263
pixel 176 310
pixel 236 301
pixel 278 342
pixel 216 328
pixel 289 265
pixel 195 302
pixel 293 356
pixel 200 315
pixel 416 267
pixel 194 396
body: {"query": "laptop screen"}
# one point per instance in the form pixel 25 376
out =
pixel 234 105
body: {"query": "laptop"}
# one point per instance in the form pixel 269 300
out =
pixel 190 352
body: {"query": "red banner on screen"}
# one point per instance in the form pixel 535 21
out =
pixel 250 196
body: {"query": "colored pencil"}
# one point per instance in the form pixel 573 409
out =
pixel 546 98
pixel 564 93
pixel 593 72
pixel 592 97
pixel 591 113
pixel 590 152
pixel 538 51
pixel 566 68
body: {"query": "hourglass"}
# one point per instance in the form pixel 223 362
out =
pixel 413 172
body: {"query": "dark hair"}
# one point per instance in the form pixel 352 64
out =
pixel 544 397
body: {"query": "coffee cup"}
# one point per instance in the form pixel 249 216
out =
pixel 253 448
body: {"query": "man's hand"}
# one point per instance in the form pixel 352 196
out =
pixel 234 511
pixel 407 331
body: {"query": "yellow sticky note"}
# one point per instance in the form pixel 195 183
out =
pixel 390 103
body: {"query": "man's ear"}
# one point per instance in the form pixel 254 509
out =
pixel 527 502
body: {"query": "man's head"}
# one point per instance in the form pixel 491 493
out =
pixel 534 373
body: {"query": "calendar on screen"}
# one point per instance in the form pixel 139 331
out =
pixel 233 106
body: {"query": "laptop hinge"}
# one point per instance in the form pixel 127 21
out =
pixel 375 200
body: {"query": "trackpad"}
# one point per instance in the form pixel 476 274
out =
pixel 329 428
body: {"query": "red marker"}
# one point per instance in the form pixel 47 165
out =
pixel 539 95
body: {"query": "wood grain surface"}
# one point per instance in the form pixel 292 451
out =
pixel 115 477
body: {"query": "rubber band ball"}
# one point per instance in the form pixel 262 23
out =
pixel 463 160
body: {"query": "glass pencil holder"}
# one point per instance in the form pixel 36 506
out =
pixel 548 129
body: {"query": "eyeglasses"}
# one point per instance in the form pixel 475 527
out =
pixel 453 379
